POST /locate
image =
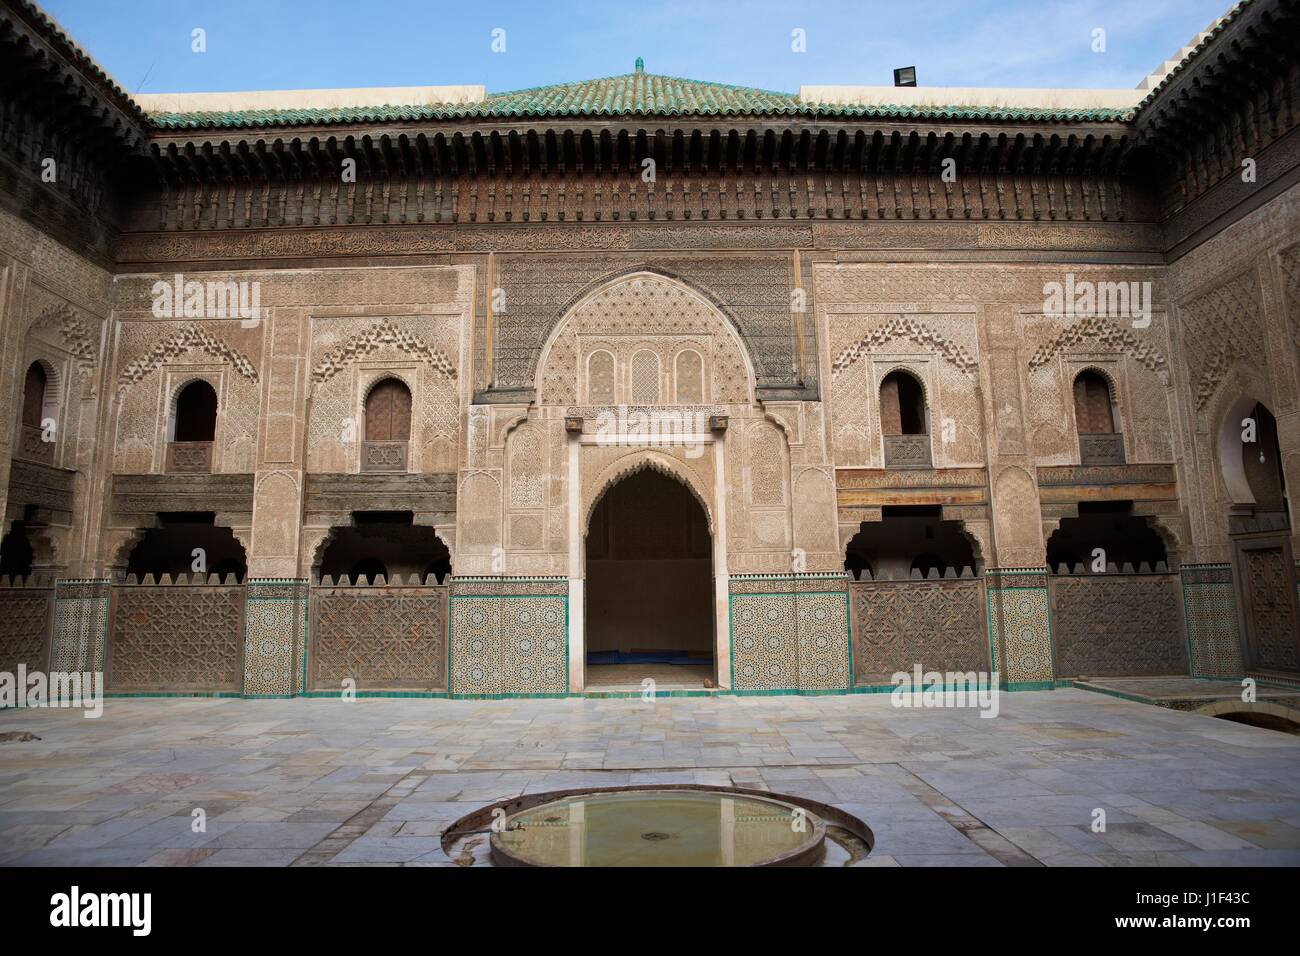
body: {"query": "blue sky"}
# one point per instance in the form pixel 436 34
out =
pixel 296 44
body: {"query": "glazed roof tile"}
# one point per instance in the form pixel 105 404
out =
pixel 629 94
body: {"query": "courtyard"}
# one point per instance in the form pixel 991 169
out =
pixel 377 781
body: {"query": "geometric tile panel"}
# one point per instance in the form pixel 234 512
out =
pixel 823 641
pixel 80 626
pixel 534 646
pixel 898 625
pixel 27 614
pixel 764 642
pixel 790 632
pixel 1112 625
pixel 176 639
pixel 275 623
pixel 380 637
pixel 1210 607
pixel 1021 623
pixel 475 645
pixel 509 636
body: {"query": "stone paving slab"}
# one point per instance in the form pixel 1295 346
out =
pixel 376 781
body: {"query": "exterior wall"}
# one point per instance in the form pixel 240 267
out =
pixel 1235 316
pixel 27 608
pixel 291 386
pixel 781 433
pixel 54 308
pixel 176 637
pixel 898 624
pixel 790 634
pixel 1116 625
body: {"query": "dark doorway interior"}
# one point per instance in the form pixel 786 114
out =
pixel 196 413
pixel 649 580
pixel 387 543
pixel 16 552
pixel 907 539
pixel 1262 461
pixel 170 548
pixel 1125 538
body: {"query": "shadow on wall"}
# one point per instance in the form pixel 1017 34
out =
pixel 649 569
pixel 907 539
pixel 187 543
pixel 1121 536
pixel 385 543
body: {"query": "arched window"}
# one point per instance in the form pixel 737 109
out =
pixel 902 405
pixel 643 378
pixel 903 422
pixel 1094 416
pixel 908 540
pixel 1262 462
pixel 170 547
pixel 1092 411
pixel 193 428
pixel 34 395
pixel 600 378
pixel 388 427
pixel 34 443
pixel 690 377
pixel 1124 539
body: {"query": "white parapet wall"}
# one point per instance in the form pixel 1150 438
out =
pixel 972 97
pixel 310 99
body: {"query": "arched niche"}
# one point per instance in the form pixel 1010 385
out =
pixel 193 415
pixel 1252 470
pixel 641 460
pixel 626 316
pixel 1096 408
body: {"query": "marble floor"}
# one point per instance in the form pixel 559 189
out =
pixel 376 781
pixel 630 677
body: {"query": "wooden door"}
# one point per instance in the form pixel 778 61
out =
pixel 388 412
pixel 1267 586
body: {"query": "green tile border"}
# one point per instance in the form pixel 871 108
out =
pixel 228 694
pixel 304 599
pixel 731 633
pixel 331 694
pixel 563 597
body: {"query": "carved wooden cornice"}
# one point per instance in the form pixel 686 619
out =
pixel 1228 102
pixel 803 171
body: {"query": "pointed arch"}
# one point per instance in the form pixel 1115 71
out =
pixel 645 269
pixel 1096 402
pixel 189 338
pixel 77 336
pixel 381 334
pixel 642 460
pixel 907 327
pixel 618 307
pixel 1106 333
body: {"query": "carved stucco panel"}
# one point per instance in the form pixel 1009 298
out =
pixel 940 350
pixel 478 520
pixel 276 519
pixel 159 358
pixel 1017 519
pixel 814 519
pixel 350 355
pixel 633 318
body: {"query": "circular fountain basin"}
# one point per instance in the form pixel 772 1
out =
pixel 660 828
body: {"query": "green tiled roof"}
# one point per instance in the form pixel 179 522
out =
pixel 631 94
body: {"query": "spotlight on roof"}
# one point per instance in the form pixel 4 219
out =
pixel 905 76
